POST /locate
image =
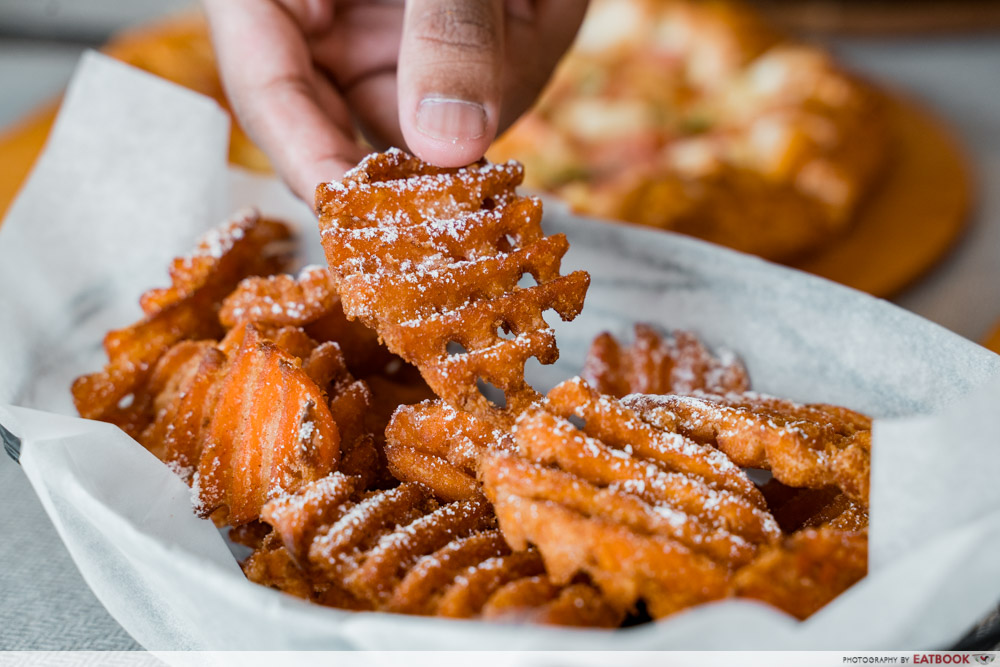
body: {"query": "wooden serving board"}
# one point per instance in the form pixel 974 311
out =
pixel 908 224
pixel 992 341
pixel 883 17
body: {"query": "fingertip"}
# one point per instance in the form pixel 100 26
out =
pixel 450 155
pixel 450 132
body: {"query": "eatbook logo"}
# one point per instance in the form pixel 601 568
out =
pixel 985 658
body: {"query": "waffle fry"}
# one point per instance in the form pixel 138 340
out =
pixel 399 550
pixel 657 365
pixel 245 245
pixel 307 301
pixel 184 311
pixel 175 436
pixel 165 386
pixel 375 540
pixel 805 571
pixel 270 432
pixel 647 514
pixel 271 565
pixel 281 300
pixel 809 446
pixel 187 385
pixel 296 518
pixel 438 446
pixel 538 600
pixel 795 509
pixel 428 257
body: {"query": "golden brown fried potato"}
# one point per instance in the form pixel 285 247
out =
pixel 646 514
pixel 308 302
pixel 654 364
pixel 271 565
pixel 184 311
pixel 176 435
pixel 400 550
pixel 271 432
pixel 429 257
pixel 538 600
pixel 809 446
pixel 281 300
pixel 440 447
pixel 805 571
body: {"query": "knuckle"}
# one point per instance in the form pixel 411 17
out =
pixel 254 106
pixel 288 84
pixel 462 27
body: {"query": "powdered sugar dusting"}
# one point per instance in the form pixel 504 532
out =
pixel 427 256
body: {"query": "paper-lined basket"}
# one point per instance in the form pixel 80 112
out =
pixel 135 170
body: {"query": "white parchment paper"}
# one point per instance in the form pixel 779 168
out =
pixel 135 170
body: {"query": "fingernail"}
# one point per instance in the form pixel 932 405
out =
pixel 451 120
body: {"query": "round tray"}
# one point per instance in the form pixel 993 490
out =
pixel 883 17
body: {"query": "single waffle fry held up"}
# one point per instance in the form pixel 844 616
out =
pixel 430 257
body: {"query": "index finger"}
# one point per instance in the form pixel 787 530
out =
pixel 286 106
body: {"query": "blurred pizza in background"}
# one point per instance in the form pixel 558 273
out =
pixel 701 119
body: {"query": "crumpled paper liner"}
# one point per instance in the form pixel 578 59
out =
pixel 135 170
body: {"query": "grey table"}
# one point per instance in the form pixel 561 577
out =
pixel 45 604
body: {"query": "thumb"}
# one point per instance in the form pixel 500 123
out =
pixel 449 78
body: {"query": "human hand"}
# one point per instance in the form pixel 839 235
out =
pixel 440 77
